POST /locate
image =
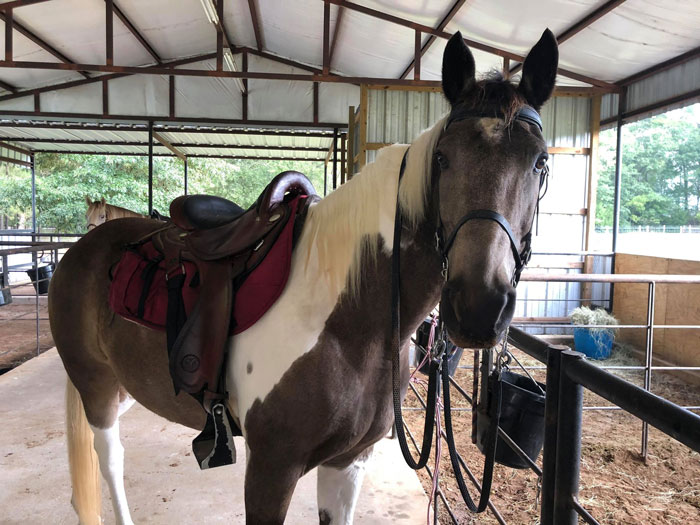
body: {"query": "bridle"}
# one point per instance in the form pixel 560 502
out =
pixel 438 366
pixel 522 256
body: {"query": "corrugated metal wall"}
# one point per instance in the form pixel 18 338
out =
pixel 664 85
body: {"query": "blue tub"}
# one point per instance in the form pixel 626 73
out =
pixel 596 345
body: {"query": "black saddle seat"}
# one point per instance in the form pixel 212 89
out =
pixel 209 211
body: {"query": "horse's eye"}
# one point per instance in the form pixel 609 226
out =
pixel 442 161
pixel 541 163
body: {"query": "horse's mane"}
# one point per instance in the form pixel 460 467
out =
pixel 347 223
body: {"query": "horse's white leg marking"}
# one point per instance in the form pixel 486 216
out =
pixel 110 453
pixel 337 491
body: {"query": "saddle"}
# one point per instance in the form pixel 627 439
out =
pixel 228 255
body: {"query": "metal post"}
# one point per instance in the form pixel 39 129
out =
pixel 33 171
pixel 325 179
pixel 549 453
pixel 647 362
pixel 622 103
pixel 335 158
pixel 150 166
pixel 568 453
pixel 185 162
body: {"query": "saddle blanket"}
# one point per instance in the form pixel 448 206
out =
pixel 139 288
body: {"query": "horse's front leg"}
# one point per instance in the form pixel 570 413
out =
pixel 270 480
pixel 338 488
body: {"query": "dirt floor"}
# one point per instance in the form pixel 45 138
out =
pixel 616 486
pixel 18 340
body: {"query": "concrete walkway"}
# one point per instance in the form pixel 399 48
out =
pixel 163 483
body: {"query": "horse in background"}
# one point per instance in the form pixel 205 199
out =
pixel 99 212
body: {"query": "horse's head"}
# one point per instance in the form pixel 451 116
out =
pixel 491 157
pixel 96 213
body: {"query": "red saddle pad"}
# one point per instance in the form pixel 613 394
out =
pixel 139 290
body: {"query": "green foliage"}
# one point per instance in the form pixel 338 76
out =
pixel 63 182
pixel 660 171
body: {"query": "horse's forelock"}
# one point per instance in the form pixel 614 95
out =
pixel 495 94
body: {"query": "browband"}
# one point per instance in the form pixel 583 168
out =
pixel 526 114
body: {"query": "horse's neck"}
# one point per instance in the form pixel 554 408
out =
pixel 117 212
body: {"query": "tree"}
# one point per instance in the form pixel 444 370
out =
pixel 660 171
pixel 63 182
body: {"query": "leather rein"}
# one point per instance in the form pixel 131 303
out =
pixel 438 365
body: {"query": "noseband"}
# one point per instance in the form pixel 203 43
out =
pixel 443 244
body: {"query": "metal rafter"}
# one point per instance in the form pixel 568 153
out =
pixel 43 44
pixel 579 26
pixel 19 3
pixel 172 146
pixel 431 39
pixel 135 32
pixel 162 128
pixel 645 73
pixel 473 43
pixel 256 24
pixel 336 33
pixel 91 80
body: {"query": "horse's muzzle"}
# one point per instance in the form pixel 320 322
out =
pixel 477 318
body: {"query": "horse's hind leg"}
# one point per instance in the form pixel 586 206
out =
pixel 338 489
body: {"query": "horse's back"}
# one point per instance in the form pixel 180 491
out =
pixel 101 351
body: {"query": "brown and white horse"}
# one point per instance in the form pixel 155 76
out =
pixel 99 212
pixel 310 383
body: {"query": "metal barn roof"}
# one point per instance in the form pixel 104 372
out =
pixel 283 65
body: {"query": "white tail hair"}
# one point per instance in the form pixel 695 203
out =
pixel 82 459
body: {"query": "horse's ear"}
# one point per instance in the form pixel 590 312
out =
pixel 458 68
pixel 87 200
pixel 103 201
pixel 540 70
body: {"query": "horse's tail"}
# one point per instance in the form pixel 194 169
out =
pixel 84 469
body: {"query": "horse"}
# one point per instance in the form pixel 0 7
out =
pixel 310 383
pixel 99 212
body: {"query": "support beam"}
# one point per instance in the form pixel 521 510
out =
pixel 165 128
pixel 335 158
pixel 326 37
pixel 135 32
pixel 41 42
pixel 185 177
pixel 622 103
pixel 90 80
pixel 150 167
pixel 417 52
pixel 8 87
pixel 579 26
pixel 19 3
pixel 256 25
pixel 663 66
pixel 661 104
pixel 244 94
pixel 32 167
pixel 171 96
pixel 168 145
pixel 336 33
pixel 431 39
pixel 9 33
pixel 472 43
pixel 17 149
pixel 219 25
pixel 109 33
pixel 105 97
pixel 15 161
pixel 315 101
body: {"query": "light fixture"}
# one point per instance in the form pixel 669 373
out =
pixel 231 65
pixel 210 10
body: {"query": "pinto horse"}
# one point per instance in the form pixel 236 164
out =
pixel 99 212
pixel 310 383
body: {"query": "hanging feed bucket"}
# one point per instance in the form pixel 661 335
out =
pixel 422 335
pixel 5 292
pixel 43 275
pixel 522 418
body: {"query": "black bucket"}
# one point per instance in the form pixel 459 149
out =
pixel 43 275
pixel 5 292
pixel 522 418
pixel 454 352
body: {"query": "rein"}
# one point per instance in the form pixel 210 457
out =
pixel 438 364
